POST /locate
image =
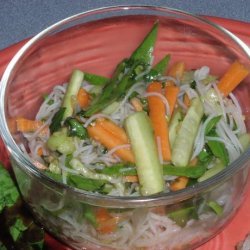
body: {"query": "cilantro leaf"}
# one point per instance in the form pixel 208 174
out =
pixel 8 191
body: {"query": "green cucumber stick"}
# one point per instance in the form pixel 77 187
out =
pixel 149 169
pixel 184 142
pixel 74 85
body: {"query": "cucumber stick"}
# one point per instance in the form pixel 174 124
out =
pixel 185 138
pixel 71 92
pixel 149 169
pixel 174 126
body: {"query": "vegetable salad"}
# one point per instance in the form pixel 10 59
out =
pixel 147 129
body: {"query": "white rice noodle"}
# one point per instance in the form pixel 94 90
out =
pixel 220 101
pixel 231 136
pixel 199 141
pixel 237 114
pixel 94 117
pixel 201 74
pixel 191 93
pixel 153 231
pixel 169 78
pixel 46 110
pixel 164 100
pixel 131 90
pixel 113 150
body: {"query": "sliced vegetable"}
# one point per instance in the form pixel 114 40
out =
pixel 27 126
pixel 183 215
pixel 75 128
pixel 144 51
pixel 113 129
pixel 177 70
pixel 244 140
pixel 148 167
pixel 84 183
pixel 136 104
pixel 174 126
pixel 171 93
pixel 232 78
pixel 211 124
pixel 218 209
pixel 60 141
pixel 57 120
pixel 157 114
pixel 219 166
pixel 158 70
pixel 184 141
pixel 83 98
pixel 70 96
pixel 95 79
pixel 125 74
pixel 98 133
pixel 179 183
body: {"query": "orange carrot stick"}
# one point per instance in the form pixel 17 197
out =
pixel 179 183
pixel 113 129
pixel 105 222
pixel 108 140
pixel 157 114
pixel 171 93
pixel 131 178
pixel 177 70
pixel 233 76
pixel 26 126
pixel 186 100
pixel 83 98
pixel 136 104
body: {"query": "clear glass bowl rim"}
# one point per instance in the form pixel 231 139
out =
pixel 114 201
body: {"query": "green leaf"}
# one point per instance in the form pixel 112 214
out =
pixel 8 191
pixel 56 120
pixel 211 124
pixel 17 229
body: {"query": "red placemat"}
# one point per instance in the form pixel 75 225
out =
pixel 239 227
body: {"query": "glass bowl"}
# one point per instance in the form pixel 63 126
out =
pixel 96 41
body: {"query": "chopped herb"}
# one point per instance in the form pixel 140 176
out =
pixel 57 120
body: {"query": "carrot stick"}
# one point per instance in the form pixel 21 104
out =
pixel 108 140
pixel 26 126
pixel 186 100
pixel 179 183
pixel 83 98
pixel 171 93
pixel 113 129
pixel 136 104
pixel 131 178
pixel 233 76
pixel 105 222
pixel 40 151
pixel 177 70
pixel 157 114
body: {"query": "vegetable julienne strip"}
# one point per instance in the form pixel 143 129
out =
pixel 157 115
pixel 233 76
pixel 98 133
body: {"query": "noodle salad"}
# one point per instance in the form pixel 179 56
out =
pixel 147 129
pixel 151 128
